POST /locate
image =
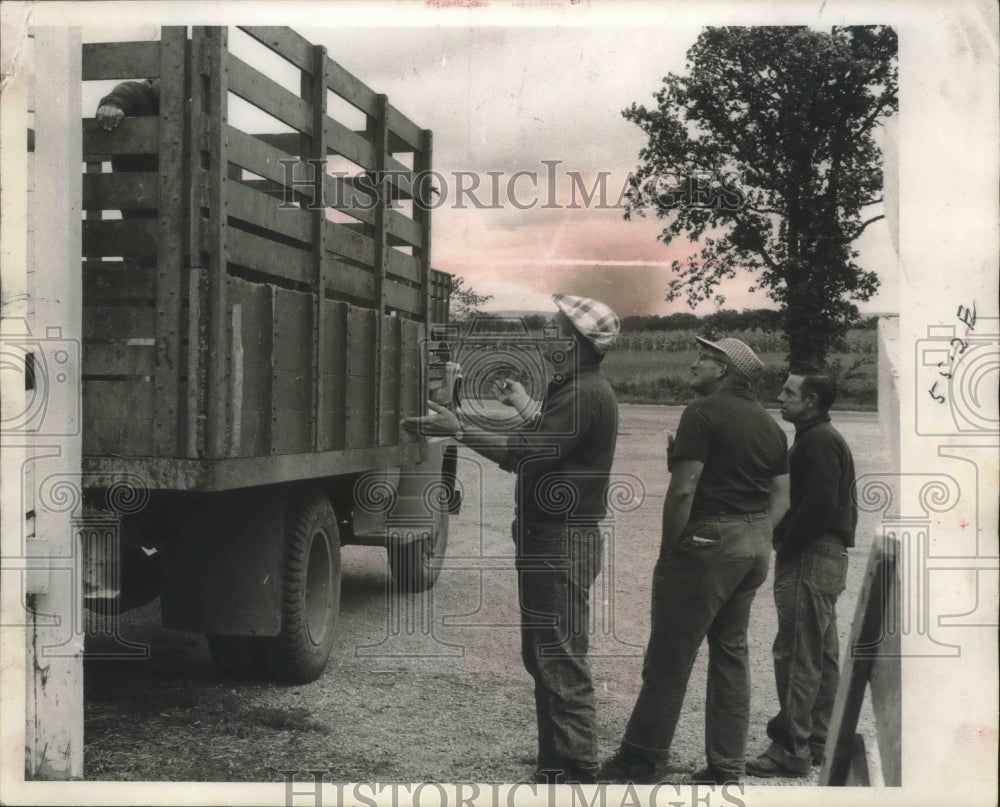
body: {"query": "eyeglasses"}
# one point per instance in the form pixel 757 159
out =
pixel 702 356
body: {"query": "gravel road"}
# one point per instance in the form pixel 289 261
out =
pixel 427 687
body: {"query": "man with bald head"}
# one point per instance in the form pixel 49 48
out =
pixel 728 483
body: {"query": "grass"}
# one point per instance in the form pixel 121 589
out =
pixel 661 377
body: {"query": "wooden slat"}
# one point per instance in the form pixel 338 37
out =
pixel 266 94
pixel 347 242
pixel 404 229
pixel 334 374
pixel 350 88
pixel 283 41
pixel 291 407
pixel 119 418
pixel 313 89
pixel 197 359
pixel 403 298
pixel 120 191
pixel 407 130
pixel 139 135
pixel 209 47
pixel 348 280
pixel 292 330
pixel 120 60
pixel 134 360
pixel 247 204
pixel 272 258
pixel 118 323
pixel 348 143
pixel 412 394
pixel 422 162
pixel 129 239
pixel 255 300
pixel 107 281
pixel 288 142
pixel 342 195
pixel 867 636
pixel 403 266
pixel 265 160
pixel 171 216
pixel 391 387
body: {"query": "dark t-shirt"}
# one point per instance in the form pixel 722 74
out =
pixel 741 446
pixel 563 460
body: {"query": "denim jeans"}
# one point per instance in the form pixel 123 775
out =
pixel 704 587
pixel 555 571
pixel 806 652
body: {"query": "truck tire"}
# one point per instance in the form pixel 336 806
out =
pixel 416 566
pixel 310 591
pixel 238 656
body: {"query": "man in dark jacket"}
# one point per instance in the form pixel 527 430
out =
pixel 562 457
pixel 810 572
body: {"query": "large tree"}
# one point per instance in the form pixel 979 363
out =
pixel 764 154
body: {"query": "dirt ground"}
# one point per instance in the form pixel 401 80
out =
pixel 428 687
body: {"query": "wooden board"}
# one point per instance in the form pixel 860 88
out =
pixel 334 374
pixel 119 323
pixel 868 643
pixel 391 387
pixel 128 239
pixel 255 301
pixel 360 383
pixel 121 191
pixel 283 41
pixel 291 384
pixel 120 60
pixel 269 257
pixel 350 281
pixel 411 392
pixel 349 243
pixel 118 360
pixel 106 281
pixel 132 136
pixel 118 417
pixel 262 210
pixel 266 94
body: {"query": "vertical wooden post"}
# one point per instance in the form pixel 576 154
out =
pixel 169 241
pixel 381 237
pixel 422 214
pixel 210 147
pixel 314 89
pixel 54 739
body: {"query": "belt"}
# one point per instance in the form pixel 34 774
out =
pixel 755 515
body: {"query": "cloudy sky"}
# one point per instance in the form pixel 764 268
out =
pixel 545 100
pixel 542 98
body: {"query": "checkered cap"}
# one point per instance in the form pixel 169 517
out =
pixel 740 356
pixel 594 320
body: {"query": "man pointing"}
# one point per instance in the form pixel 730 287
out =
pixel 562 458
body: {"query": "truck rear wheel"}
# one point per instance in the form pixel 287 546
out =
pixel 310 591
pixel 416 566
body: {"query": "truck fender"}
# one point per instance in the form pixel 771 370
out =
pixel 223 573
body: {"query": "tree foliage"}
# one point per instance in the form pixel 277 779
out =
pixel 465 300
pixel 783 121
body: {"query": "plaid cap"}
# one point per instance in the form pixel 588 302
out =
pixel 598 323
pixel 740 356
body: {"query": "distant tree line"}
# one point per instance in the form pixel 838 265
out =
pixel 721 322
